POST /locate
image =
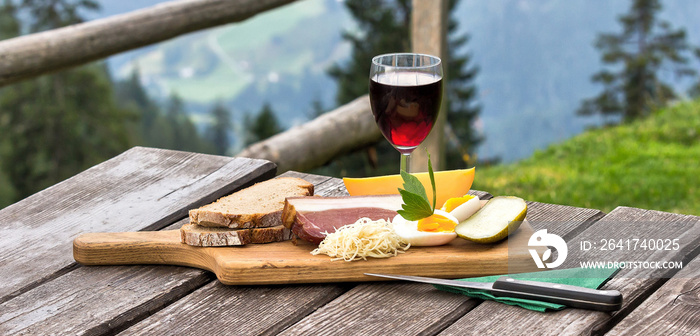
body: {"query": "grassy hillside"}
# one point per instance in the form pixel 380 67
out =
pixel 652 164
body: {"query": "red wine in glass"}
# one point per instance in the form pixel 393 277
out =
pixel 405 106
pixel 405 90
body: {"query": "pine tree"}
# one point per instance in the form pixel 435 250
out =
pixel 60 124
pixel 219 130
pixel 9 27
pixel 51 14
pixel 385 27
pixel 262 126
pixel 172 129
pixel 132 96
pixel 9 24
pixel 462 109
pixel 694 90
pixel 635 57
pixel 317 109
pixel 176 118
pixel 180 132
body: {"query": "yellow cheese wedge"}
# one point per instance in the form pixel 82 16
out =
pixel 449 183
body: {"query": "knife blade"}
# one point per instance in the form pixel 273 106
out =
pixel 568 295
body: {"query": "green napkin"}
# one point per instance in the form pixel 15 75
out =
pixel 583 277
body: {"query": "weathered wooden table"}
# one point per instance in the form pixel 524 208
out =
pixel 43 291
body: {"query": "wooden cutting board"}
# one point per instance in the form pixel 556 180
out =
pixel 286 263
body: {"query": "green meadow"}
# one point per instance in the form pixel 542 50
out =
pixel 652 163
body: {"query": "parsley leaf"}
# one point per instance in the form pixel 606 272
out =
pixel 414 207
pixel 415 200
pixel 413 185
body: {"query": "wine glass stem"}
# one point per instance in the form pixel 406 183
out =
pixel 405 162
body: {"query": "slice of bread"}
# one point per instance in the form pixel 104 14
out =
pixel 196 235
pixel 257 206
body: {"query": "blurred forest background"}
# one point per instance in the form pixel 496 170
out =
pixel 587 103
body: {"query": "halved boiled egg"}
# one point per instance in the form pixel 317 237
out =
pixel 462 207
pixel 437 229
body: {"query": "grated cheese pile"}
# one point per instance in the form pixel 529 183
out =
pixel 365 238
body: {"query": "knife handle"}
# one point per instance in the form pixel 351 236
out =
pixel 568 295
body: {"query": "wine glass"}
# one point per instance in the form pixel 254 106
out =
pixel 405 91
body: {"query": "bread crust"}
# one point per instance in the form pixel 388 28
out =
pixel 191 235
pixel 270 234
pixel 195 235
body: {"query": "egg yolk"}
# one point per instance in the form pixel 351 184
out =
pixel 436 223
pixel 454 202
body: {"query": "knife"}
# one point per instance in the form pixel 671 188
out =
pixel 568 295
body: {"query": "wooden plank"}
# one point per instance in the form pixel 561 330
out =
pixel 672 309
pixel 96 300
pixel 36 54
pixel 143 188
pixel 406 308
pixel 323 185
pixel 482 194
pixel 384 309
pixel 243 310
pixel 563 220
pixel 634 284
pixel 429 36
pixel 99 300
pixel 217 309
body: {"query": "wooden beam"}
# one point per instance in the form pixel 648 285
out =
pixel 429 36
pixel 316 142
pixel 37 54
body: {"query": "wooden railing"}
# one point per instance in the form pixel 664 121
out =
pixel 344 129
pixel 429 36
pixel 37 54
pixel 316 142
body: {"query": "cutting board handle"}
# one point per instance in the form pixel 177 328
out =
pixel 143 247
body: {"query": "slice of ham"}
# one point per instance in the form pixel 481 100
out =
pixel 310 217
